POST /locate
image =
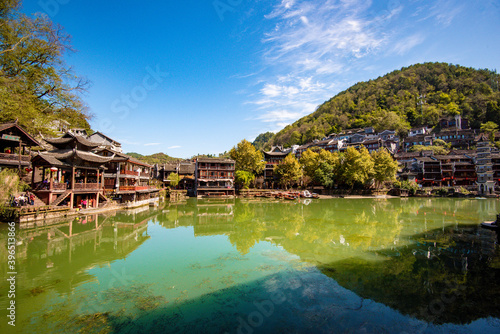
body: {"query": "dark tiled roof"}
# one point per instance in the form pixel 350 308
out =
pixel 27 139
pixel 216 160
pixel 186 168
pixel 122 157
pixel 68 138
pixel 403 155
pixel 92 157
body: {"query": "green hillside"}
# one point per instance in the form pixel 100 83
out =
pixel 413 96
pixel 157 158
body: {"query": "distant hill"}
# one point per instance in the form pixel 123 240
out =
pixel 413 96
pixel 157 158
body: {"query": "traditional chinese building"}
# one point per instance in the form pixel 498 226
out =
pixel 70 174
pixel 125 178
pixel 273 157
pixel 214 177
pixel 105 141
pixel 15 147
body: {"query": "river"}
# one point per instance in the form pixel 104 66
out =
pixel 416 265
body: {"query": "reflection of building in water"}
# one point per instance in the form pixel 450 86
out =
pixel 69 249
pixel 214 218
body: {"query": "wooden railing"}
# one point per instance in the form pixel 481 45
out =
pixel 14 157
pixel 88 186
pixel 135 188
pixel 129 172
pixel 59 186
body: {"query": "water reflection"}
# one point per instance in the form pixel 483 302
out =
pixel 425 258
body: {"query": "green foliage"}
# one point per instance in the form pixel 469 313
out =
pixel 442 143
pixel 357 166
pixel 385 167
pixel 244 178
pixel 157 158
pixel 437 149
pixel 36 86
pixel 490 128
pixel 322 167
pixel 174 179
pixel 325 174
pixel 413 96
pixel 411 186
pixel 262 139
pixel 10 184
pixel 247 158
pixel 289 171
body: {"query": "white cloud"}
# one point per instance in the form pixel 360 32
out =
pixel 174 147
pixel 408 43
pixel 314 43
pixel 444 11
pixel 152 144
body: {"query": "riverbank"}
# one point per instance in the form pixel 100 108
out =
pixel 19 215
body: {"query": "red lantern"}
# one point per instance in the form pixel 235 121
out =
pixel 53 169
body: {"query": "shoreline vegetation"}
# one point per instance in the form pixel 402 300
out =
pixel 36 217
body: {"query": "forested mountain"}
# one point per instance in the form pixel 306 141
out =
pixel 36 86
pixel 157 158
pixel 416 95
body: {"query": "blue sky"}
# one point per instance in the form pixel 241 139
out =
pixel 188 77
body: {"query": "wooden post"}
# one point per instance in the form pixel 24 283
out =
pixel 33 177
pixel 20 160
pixel 73 171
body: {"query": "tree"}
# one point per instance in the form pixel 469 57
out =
pixel 325 174
pixel 357 166
pixel 35 84
pixel 244 178
pixel 384 166
pixel 9 182
pixel 310 161
pixel 289 171
pixel 174 179
pixel 247 158
pixel 436 149
pixel 491 129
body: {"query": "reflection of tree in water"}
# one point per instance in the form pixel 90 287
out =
pixel 447 276
pixel 248 230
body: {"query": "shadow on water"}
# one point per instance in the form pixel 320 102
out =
pixel 448 275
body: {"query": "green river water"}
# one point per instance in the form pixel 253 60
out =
pixel 322 266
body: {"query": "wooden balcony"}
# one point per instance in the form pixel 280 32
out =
pixel 129 172
pixel 135 188
pixel 15 157
pixel 88 186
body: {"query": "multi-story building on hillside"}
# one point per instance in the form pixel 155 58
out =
pixel 126 178
pixel 214 177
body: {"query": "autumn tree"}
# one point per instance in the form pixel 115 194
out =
pixel 490 128
pixel 357 166
pixel 36 86
pixel 247 158
pixel 289 171
pixel 384 166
